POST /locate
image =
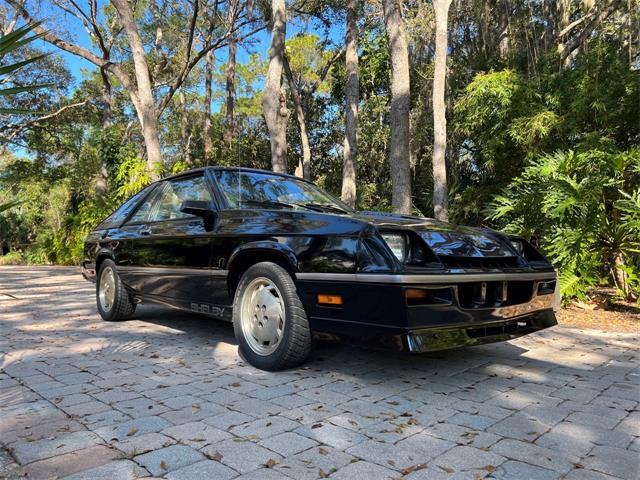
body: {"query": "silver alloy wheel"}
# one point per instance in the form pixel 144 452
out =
pixel 107 290
pixel 262 315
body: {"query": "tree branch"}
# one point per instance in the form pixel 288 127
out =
pixel 18 127
pixel 574 24
pixel 325 70
pixel 49 37
pixel 219 42
pixel 591 26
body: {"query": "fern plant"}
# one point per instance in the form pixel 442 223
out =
pixel 583 209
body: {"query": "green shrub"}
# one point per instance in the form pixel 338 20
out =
pixel 11 258
pixel 583 209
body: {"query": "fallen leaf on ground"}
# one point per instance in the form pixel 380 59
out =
pixel 133 431
pixel 216 456
pixel 413 468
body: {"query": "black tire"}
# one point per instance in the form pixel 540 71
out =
pixel 294 346
pixel 123 305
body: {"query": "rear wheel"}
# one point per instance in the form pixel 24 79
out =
pixel 114 302
pixel 269 321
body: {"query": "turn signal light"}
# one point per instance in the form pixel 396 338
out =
pixel 415 293
pixel 325 299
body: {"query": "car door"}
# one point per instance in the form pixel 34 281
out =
pixel 169 251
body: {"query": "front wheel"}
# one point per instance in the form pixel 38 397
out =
pixel 114 302
pixel 269 320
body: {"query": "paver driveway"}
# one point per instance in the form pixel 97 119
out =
pixel 165 395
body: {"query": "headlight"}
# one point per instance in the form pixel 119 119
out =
pixel 397 243
pixel 518 246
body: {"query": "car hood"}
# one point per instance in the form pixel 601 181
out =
pixel 443 238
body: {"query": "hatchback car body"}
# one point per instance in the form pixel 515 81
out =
pixel 286 262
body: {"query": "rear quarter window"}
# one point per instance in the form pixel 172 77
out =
pixel 118 217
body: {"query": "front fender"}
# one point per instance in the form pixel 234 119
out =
pixel 265 246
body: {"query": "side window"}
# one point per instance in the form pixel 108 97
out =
pixel 145 207
pixel 116 218
pixel 174 193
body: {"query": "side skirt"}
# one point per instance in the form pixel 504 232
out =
pixel 220 312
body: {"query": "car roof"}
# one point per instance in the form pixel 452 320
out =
pixel 234 169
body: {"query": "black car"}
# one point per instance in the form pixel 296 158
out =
pixel 285 262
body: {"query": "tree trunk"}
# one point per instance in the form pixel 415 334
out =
pixel 231 89
pixel 620 276
pixel 274 101
pixel 440 197
pixel 102 180
pixel 185 135
pixel 145 106
pixel 304 169
pixel 352 97
pixel 231 73
pixel 208 77
pixel 399 161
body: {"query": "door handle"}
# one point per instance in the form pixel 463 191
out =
pixel 145 231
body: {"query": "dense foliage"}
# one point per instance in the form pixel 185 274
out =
pixel 584 207
pixel 541 142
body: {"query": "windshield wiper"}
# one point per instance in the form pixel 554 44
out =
pixel 325 207
pixel 318 207
pixel 272 203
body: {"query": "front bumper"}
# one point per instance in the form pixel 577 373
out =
pixel 88 270
pixel 376 310
pixel 434 339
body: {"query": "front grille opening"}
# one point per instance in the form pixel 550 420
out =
pixel 429 296
pixel 494 294
pixel 482 263
pixel 511 327
pixel 547 288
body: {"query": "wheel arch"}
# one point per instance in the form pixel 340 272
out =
pixel 103 255
pixel 251 253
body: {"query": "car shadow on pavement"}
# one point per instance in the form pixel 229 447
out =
pixel 203 329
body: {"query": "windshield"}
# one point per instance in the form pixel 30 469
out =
pixel 262 190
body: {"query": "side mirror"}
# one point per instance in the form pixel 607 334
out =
pixel 199 208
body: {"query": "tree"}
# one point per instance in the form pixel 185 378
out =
pixel 304 168
pixel 141 88
pixel 399 153
pixel 306 64
pixel 440 197
pixel 208 80
pixel 274 101
pixel 352 97
pixel 143 98
pixel 26 93
pixel 232 14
